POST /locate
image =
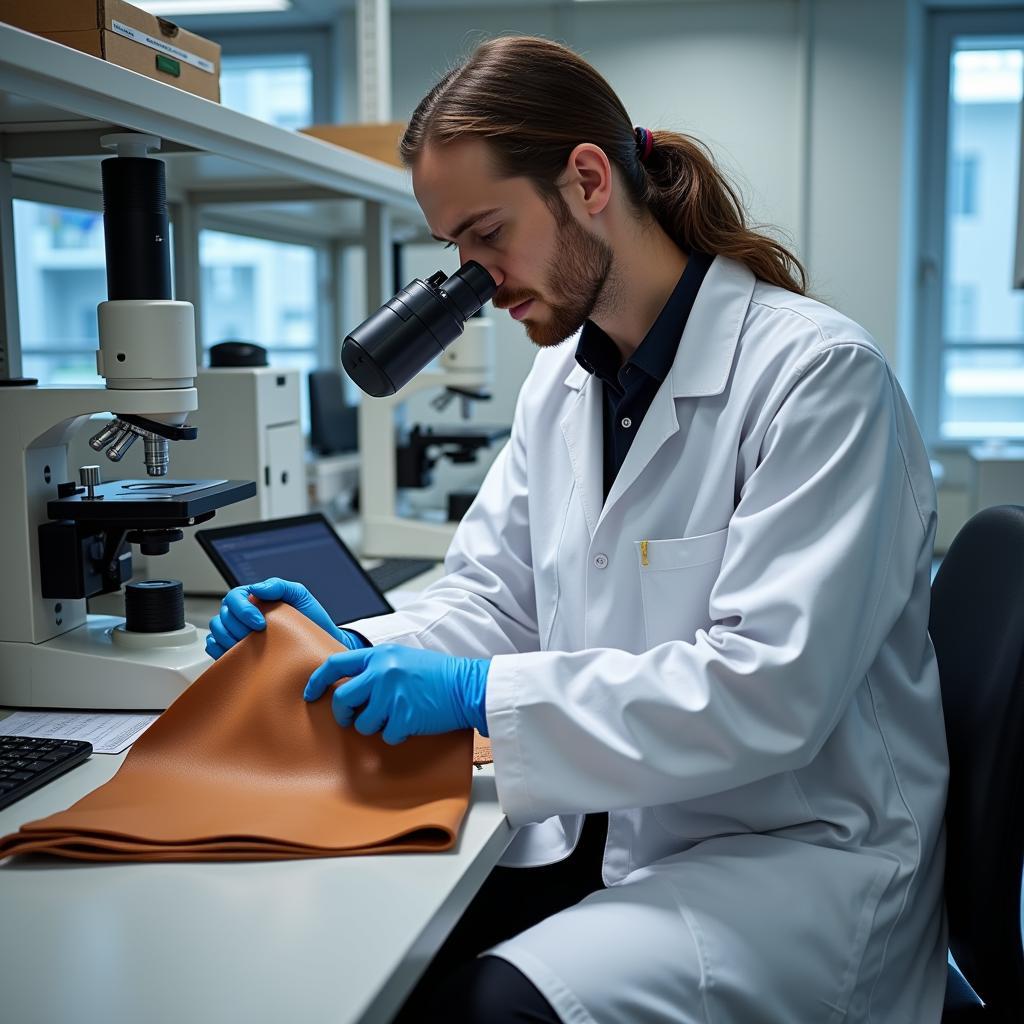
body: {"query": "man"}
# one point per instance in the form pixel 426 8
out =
pixel 689 604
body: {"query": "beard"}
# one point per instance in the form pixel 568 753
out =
pixel 581 268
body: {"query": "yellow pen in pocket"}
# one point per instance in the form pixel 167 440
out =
pixel 643 553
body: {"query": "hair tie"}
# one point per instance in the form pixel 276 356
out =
pixel 644 143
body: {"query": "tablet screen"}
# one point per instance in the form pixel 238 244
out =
pixel 310 553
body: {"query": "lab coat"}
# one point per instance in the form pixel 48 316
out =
pixel 729 654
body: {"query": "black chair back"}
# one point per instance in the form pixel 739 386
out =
pixel 333 425
pixel 977 627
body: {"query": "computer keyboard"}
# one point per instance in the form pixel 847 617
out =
pixel 393 572
pixel 28 762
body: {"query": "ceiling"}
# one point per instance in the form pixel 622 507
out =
pixel 321 12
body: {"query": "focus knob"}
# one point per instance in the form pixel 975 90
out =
pixel 90 478
pixel 154 606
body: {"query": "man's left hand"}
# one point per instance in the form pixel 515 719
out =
pixel 404 691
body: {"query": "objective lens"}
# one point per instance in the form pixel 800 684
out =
pixel 116 451
pixel 157 455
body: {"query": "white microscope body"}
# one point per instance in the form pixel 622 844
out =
pixel 52 654
pixel 465 365
pixel 248 419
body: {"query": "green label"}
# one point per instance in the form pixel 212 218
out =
pixel 168 66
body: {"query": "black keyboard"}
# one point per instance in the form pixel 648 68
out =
pixel 393 572
pixel 28 762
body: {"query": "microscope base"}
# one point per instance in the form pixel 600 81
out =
pixel 84 668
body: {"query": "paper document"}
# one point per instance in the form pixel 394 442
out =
pixel 109 732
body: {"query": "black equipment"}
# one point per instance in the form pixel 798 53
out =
pixel 393 344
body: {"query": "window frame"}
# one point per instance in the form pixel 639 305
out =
pixel 943 28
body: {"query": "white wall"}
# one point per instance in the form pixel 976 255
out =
pixel 802 101
pixel 856 152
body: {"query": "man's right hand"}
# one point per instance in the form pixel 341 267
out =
pixel 238 616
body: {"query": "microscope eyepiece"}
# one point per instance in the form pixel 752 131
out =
pixel 393 344
pixel 469 288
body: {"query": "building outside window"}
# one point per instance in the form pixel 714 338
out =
pixel 982 357
pixel 265 292
pixel 274 87
pixel 61 279
pixel 963 192
pixel 255 289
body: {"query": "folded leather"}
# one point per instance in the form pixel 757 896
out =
pixel 240 767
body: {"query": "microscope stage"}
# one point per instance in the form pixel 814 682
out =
pixel 139 501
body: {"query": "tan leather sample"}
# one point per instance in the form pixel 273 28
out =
pixel 482 750
pixel 240 767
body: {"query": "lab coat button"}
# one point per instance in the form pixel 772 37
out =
pixel 601 561
pixel 626 422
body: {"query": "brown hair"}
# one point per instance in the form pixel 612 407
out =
pixel 534 101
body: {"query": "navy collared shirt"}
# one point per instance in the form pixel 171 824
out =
pixel 630 389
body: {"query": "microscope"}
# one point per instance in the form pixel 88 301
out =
pixel 423 322
pixel 403 458
pixel 63 540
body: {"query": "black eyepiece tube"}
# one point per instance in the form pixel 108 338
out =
pixel 392 345
pixel 135 228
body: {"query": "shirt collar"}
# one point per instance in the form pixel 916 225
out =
pixel 599 355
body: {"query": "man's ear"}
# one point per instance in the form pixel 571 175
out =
pixel 588 179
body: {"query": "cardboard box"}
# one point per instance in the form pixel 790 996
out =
pixel 124 35
pixel 379 141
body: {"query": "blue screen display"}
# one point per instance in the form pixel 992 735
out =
pixel 310 554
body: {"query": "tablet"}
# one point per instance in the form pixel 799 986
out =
pixel 305 549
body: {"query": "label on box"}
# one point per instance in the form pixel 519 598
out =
pixel 158 44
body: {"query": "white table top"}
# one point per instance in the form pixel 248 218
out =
pixel 338 939
pixel 329 940
pixel 334 940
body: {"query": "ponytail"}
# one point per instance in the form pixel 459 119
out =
pixel 698 208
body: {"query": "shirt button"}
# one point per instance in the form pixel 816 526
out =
pixel 627 422
pixel 601 561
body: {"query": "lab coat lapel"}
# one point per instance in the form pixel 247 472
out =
pixel 584 439
pixel 701 368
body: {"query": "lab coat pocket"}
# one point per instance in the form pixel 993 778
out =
pixel 676 577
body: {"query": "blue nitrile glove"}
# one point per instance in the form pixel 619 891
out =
pixel 407 691
pixel 238 616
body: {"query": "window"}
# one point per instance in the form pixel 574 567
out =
pixel 275 87
pixel 61 280
pixel 283 77
pixel 961 310
pixel 262 291
pixel 963 191
pixel 972 341
pixel 983 365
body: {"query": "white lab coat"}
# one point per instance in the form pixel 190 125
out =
pixel 730 655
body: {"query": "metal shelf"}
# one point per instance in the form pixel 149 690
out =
pixel 56 102
pixel 224 169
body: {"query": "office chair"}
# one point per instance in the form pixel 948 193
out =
pixel 333 424
pixel 977 627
